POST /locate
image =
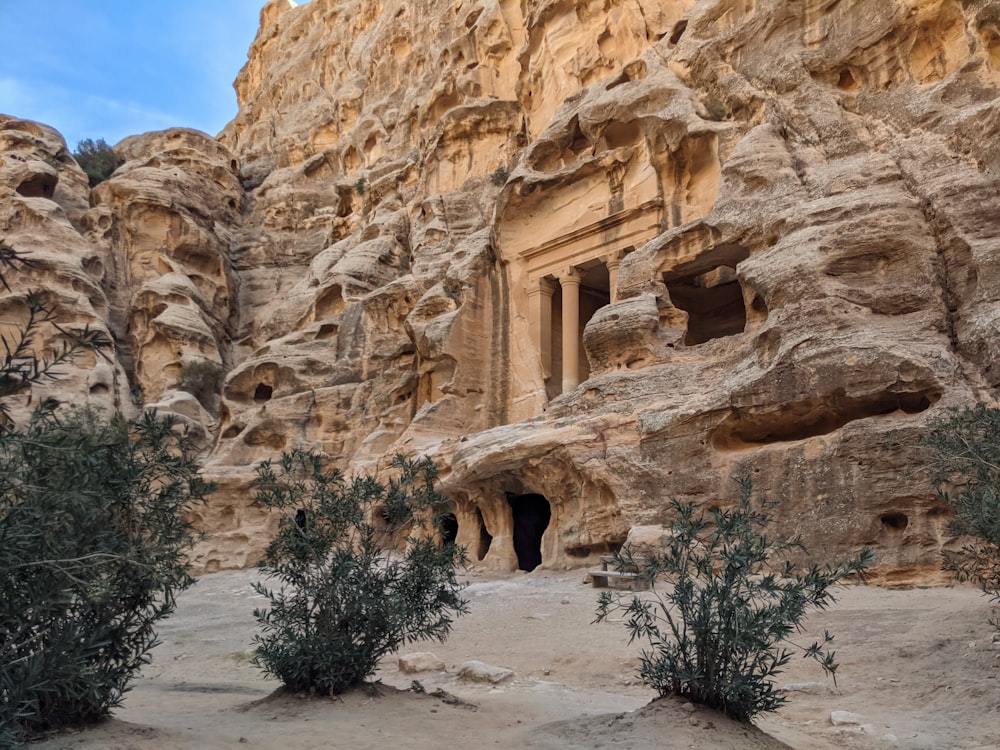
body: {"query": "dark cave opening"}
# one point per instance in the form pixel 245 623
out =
pixel 894 521
pixel 38 186
pixel 448 527
pixel 485 538
pixel 713 302
pixel 531 517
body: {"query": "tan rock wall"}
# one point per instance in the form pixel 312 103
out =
pixel 43 200
pixel 761 235
pixel 167 216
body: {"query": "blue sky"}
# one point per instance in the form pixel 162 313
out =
pixel 113 68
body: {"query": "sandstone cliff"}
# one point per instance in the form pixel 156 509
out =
pixel 587 254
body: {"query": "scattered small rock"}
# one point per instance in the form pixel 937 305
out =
pixel 478 671
pixel 419 661
pixel 845 718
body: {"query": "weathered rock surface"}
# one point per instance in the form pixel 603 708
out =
pixel 419 661
pixel 43 200
pixel 478 671
pixel 587 255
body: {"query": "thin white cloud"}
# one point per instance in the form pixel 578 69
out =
pixel 78 116
pixel 25 102
pixel 12 96
pixel 143 67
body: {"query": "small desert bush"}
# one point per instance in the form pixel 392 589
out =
pixel 499 176
pixel 202 378
pixel 92 556
pixel 345 597
pixel 91 540
pixel 966 472
pixel 97 159
pixel 718 629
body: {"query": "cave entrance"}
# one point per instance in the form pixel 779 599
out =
pixel 713 302
pixel 531 514
pixel 39 186
pixel 485 538
pixel 448 528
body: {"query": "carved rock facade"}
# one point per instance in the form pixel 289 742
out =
pixel 587 255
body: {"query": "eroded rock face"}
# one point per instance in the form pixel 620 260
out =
pixel 586 255
pixel 147 262
pixel 43 200
pixel 166 220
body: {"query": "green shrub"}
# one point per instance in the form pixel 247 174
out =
pixel 91 541
pixel 966 471
pixel 97 159
pixel 202 378
pixel 500 176
pixel 717 631
pixel 345 597
pixel 453 288
pixel 92 555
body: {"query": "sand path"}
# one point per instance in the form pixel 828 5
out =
pixel 918 666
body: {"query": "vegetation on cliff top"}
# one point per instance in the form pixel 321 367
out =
pixel 97 159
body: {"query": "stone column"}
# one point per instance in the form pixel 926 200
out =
pixel 612 261
pixel 540 321
pixel 570 281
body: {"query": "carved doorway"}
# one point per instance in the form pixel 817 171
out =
pixel 593 293
pixel 531 515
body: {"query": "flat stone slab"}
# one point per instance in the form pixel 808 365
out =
pixel 419 661
pixel 479 671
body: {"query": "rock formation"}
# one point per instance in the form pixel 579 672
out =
pixel 586 254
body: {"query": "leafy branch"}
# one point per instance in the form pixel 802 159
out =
pixel 20 367
pixel 965 469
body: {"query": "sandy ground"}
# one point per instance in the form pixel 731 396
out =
pixel 918 666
